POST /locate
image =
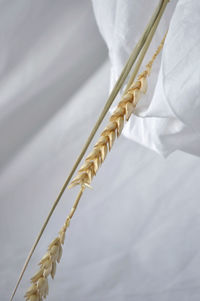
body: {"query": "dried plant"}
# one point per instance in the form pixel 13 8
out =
pixel 137 53
pixel 39 282
pixel 114 128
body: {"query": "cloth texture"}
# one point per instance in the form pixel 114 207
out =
pixel 167 118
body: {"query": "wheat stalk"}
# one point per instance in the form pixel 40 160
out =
pixel 39 282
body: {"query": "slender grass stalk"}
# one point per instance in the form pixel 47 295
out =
pixel 146 45
pixel 117 87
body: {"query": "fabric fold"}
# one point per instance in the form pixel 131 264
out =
pixel 167 118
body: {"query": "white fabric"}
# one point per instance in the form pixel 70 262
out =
pixel 167 118
pixel 135 236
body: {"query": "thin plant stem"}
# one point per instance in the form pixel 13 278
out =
pixel 146 46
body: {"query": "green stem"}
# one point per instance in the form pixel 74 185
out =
pixel 146 46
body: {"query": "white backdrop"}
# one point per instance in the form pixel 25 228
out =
pixel 136 235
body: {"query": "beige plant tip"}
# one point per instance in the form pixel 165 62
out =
pixel 79 179
pixel 144 85
pixel 31 291
pixel 120 111
pixel 45 258
pixel 93 154
pixel 42 286
pixel 120 125
pixel 73 184
pixel 128 97
pixel 89 175
pixel 59 254
pixel 103 150
pixel 134 85
pixel 129 110
pixel 85 177
pixel 54 242
pixel 136 94
pixel 96 164
pixel 87 185
pixel 112 125
pixel 111 136
pixel 37 276
pixel 47 263
pixel 102 140
pixel 92 172
pixel 53 271
pixel 34 298
pixel 86 165
pixel 91 168
pixel 47 272
pixel 54 251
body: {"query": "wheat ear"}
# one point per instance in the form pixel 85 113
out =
pixel 39 288
pixel 114 128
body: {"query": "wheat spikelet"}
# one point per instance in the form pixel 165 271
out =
pixel 47 266
pixel 114 128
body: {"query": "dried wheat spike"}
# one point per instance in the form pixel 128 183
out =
pixel 39 288
pixel 115 126
pixel 47 266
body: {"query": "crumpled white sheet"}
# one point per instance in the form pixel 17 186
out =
pixel 168 117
